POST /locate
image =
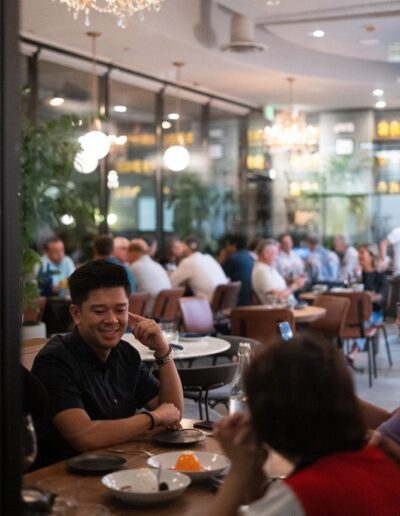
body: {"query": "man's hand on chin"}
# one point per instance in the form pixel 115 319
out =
pixel 149 334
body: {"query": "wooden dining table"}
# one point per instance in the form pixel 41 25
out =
pixel 196 500
pixel 305 314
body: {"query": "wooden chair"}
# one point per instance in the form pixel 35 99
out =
pixel 225 297
pixel 259 324
pixel 332 325
pixel 166 305
pixel 381 326
pixel 29 349
pixel 255 299
pixel 138 301
pixel 359 312
pixel 197 316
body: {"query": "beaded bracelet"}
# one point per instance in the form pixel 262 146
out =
pixel 166 358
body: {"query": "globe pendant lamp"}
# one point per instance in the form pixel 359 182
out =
pixel 177 157
pixel 95 143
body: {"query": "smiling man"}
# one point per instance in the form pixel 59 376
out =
pixel 95 380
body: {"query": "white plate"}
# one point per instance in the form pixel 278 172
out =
pixel 213 463
pixel 192 339
pixel 131 479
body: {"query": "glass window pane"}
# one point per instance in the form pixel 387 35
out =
pixel 132 160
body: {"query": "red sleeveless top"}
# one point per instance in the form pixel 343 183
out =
pixel 360 483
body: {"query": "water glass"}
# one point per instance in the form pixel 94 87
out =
pixel 170 332
pixel 270 300
pixel 29 442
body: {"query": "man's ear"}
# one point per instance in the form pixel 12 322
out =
pixel 75 313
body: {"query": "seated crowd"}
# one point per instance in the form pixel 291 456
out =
pixel 344 453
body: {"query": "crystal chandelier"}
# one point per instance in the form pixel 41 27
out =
pixel 290 131
pixel 119 8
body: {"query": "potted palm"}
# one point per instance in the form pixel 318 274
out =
pixel 48 150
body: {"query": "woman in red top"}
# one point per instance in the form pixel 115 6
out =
pixel 303 407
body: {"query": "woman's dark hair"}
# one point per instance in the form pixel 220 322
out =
pixel 301 398
pixel 94 275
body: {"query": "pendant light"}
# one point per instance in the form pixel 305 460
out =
pixel 95 144
pixel 176 157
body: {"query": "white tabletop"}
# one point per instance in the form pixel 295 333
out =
pixel 202 347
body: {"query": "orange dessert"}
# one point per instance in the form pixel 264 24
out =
pixel 188 461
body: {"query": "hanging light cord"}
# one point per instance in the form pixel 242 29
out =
pixel 179 137
pixel 94 81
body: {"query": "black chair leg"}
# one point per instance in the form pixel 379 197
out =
pixel 389 355
pixel 370 352
pixel 206 406
pixel 374 346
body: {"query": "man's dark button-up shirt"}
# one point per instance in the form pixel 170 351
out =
pixel 76 378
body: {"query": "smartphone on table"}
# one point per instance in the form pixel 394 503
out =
pixel 285 330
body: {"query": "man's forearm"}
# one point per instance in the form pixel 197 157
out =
pixel 170 386
pixel 99 434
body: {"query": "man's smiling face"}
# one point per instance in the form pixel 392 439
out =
pixel 102 319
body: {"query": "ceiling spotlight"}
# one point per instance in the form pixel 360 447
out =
pixel 317 33
pixel 378 92
pixel 56 101
pixel 173 116
pixel 166 125
pixel 380 104
pixel 120 109
pixel 273 3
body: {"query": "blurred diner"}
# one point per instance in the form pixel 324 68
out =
pixel 238 265
pixel 266 280
pixel 104 249
pixel 199 272
pixel 120 249
pixel 55 268
pixel 374 280
pixel 322 265
pixel 307 413
pixel 150 276
pixel 348 257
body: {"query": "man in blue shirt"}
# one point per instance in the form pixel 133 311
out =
pixel 322 265
pixel 238 266
pixel 103 248
pixel 55 266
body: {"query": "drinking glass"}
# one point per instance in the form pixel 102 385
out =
pixel 270 300
pixel 29 442
pixel 170 331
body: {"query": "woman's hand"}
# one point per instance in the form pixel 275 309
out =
pixel 238 440
pixel 246 477
pixel 149 334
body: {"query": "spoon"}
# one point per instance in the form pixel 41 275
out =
pixel 162 486
pixel 123 450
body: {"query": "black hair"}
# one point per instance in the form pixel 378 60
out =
pixel 302 400
pixel 95 275
pixel 237 240
pixel 103 245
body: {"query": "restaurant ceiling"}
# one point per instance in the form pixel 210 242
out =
pixel 357 54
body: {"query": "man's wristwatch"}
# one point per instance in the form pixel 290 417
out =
pixel 166 358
